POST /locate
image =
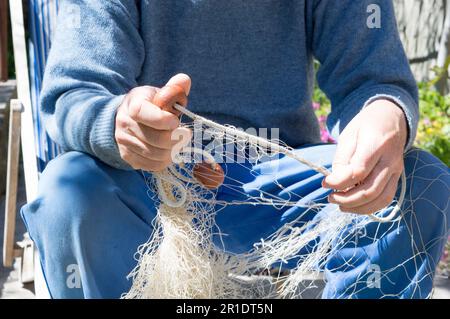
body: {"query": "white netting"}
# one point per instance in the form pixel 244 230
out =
pixel 181 260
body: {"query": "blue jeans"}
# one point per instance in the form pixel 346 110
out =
pixel 89 219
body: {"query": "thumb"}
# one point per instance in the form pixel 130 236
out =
pixel 175 91
pixel 182 80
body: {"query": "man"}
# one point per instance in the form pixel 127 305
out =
pixel 251 65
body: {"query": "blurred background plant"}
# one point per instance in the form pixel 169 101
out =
pixel 433 133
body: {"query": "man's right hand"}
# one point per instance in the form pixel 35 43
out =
pixel 145 122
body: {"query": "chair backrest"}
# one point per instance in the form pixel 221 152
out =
pixel 42 15
pixel 37 147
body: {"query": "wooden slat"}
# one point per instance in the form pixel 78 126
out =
pixel 11 182
pixel 23 94
pixel 3 40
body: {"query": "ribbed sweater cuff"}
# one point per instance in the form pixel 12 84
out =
pixel 102 140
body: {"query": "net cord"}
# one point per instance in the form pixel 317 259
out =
pixel 288 152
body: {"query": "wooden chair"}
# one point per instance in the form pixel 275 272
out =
pixel 26 129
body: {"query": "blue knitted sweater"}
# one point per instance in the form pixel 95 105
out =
pixel 251 64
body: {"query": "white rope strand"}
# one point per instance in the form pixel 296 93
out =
pixel 290 153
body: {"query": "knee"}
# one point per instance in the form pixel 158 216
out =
pixel 426 174
pixel 428 188
pixel 419 160
pixel 70 189
pixel 68 168
pixel 74 177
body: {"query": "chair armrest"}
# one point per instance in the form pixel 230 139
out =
pixel 9 247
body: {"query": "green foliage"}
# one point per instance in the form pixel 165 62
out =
pixel 440 72
pixel 324 105
pixel 433 133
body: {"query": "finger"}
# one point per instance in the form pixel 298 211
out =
pixel 175 91
pixel 182 80
pixel 138 161
pixel 344 152
pixel 382 201
pixel 158 138
pixel 168 96
pixel 144 149
pixel 151 115
pixel 362 162
pixel 146 91
pixel 149 135
pixel 367 191
pixel 366 156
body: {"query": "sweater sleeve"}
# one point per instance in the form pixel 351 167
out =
pixel 362 59
pixel 95 59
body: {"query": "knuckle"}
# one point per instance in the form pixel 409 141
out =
pixel 121 138
pixel 359 171
pixel 367 194
pixel 147 89
pixel 143 90
pixel 126 156
pixel 121 122
pixel 371 193
pixel 134 109
pixel 120 114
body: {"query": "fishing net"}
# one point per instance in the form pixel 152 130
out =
pixel 185 257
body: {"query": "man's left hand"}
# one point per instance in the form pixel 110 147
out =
pixel 369 159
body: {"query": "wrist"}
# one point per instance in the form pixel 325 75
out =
pixel 396 115
pixel 401 120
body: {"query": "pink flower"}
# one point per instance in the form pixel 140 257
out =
pixel 322 119
pixel 426 121
pixel 316 106
pixel 326 137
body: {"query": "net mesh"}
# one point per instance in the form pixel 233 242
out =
pixel 184 257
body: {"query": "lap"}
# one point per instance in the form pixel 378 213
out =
pixel 85 187
pixel 111 211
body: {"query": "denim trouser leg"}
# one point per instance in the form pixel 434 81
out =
pixel 93 216
pixel 88 218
